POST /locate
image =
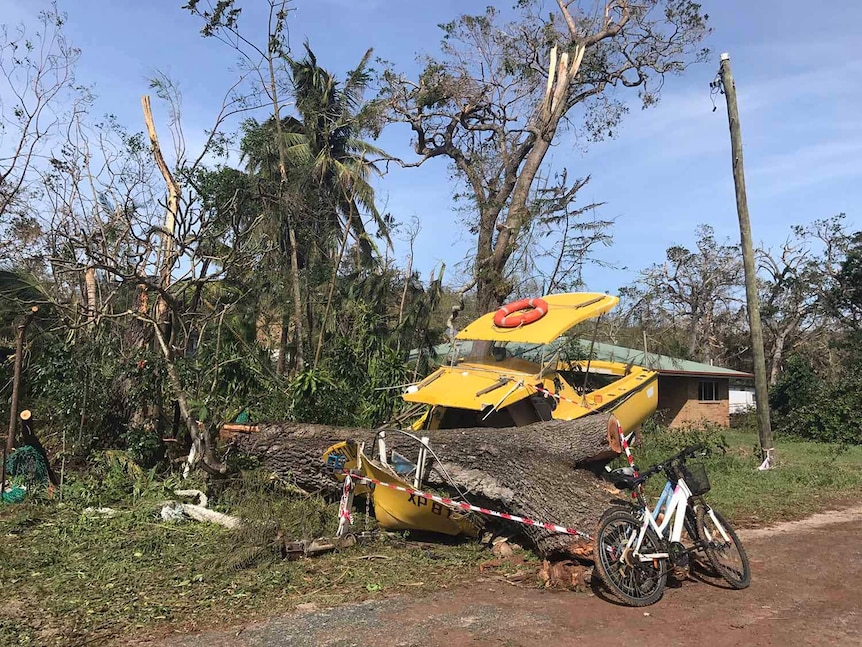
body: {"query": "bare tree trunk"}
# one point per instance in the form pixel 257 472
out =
pixel 92 296
pixel 282 345
pixel 408 275
pixel 291 230
pixel 692 337
pixel 492 289
pixel 16 378
pixel 338 260
pixel 777 355
pixel 203 443
pixel 163 314
pixel 166 253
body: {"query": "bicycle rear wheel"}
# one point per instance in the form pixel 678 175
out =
pixel 723 549
pixel 636 583
pixel 690 524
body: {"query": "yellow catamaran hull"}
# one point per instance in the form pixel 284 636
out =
pixel 495 387
pixel 396 510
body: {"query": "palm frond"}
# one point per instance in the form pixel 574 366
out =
pixel 357 82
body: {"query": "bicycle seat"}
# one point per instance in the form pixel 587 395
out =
pixel 624 478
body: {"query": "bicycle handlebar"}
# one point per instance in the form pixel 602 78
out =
pixel 693 450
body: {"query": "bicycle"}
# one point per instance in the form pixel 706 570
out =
pixel 633 548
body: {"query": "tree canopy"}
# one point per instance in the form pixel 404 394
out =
pixel 255 275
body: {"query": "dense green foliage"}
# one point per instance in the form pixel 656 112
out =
pixel 826 404
pixel 811 406
pixel 267 291
pixel 139 337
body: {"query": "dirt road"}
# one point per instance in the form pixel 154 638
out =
pixel 805 591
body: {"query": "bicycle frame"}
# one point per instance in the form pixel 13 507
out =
pixel 675 498
pixel 647 539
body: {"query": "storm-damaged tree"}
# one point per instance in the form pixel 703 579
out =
pixel 166 240
pixel 221 21
pixel 492 104
pixel 796 289
pixel 319 157
pixel 328 164
pixel 694 293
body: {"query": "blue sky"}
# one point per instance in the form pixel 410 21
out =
pixel 797 71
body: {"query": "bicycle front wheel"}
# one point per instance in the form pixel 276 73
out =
pixel 636 583
pixel 723 548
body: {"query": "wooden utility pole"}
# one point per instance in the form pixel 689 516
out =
pixel 760 378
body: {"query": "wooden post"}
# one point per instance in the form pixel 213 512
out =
pixel 16 379
pixel 3 475
pixel 760 378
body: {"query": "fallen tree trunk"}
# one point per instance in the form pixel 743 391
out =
pixel 545 471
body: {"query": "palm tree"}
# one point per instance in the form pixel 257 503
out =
pixel 329 162
pixel 332 118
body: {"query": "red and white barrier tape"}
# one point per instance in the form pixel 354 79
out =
pixel 626 448
pixel 344 506
pixel 466 506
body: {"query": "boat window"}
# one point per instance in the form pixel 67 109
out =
pixel 497 351
pixel 479 350
pixel 594 382
pixel 402 466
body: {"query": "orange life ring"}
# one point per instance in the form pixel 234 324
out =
pixel 535 310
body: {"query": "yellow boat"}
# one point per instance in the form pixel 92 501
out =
pixel 396 510
pixel 494 385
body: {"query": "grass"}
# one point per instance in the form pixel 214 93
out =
pixel 68 577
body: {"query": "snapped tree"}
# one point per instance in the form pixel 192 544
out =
pixel 494 101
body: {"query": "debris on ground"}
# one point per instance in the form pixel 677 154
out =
pixel 565 575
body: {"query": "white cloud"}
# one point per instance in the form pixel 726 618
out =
pixel 806 166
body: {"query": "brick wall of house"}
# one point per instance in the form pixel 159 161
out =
pixel 679 404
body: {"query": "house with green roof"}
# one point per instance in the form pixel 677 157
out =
pixel 688 392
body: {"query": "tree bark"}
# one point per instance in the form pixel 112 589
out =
pixel 21 336
pixel 332 282
pixel 777 355
pixel 545 471
pixel 282 345
pixel 492 289
pixel 92 296
pixel 299 357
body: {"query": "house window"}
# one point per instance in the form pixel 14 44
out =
pixel 707 391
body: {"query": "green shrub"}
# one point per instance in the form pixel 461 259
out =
pixel 660 442
pixel 808 406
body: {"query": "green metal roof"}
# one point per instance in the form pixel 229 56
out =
pixel 661 363
pixel 664 364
